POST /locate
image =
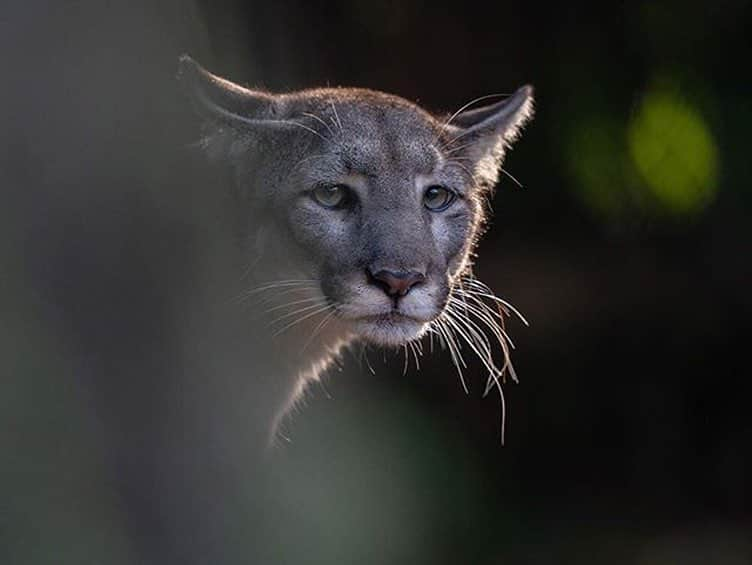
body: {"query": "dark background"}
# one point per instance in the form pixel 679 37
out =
pixel 629 438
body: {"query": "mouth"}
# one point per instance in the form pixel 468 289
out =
pixel 390 328
pixel 392 316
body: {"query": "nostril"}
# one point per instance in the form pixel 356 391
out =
pixel 396 283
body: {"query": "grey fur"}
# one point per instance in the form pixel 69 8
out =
pixel 279 148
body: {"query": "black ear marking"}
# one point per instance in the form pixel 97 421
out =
pixel 220 99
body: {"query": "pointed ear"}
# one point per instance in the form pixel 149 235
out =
pixel 221 100
pixel 483 135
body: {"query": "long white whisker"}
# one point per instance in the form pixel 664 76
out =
pixel 497 328
pixel 295 322
pixel 514 180
pixel 469 173
pixel 368 362
pixel 275 284
pixel 465 107
pixel 485 358
pixel 334 109
pixel 454 352
pixel 507 305
pixel 278 284
pixel 315 117
pixel 455 139
pixel 319 328
pixel 276 289
pixel 474 341
pixel 477 342
pixel 306 159
pixel 293 303
pixel 295 313
pixel 458 148
pixel 474 314
pixel 417 353
pixel 311 130
pixel 486 314
pixel 482 290
pixel 414 349
pixel 270 297
pixel 503 403
pixel 456 161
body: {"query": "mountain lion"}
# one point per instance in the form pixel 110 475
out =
pixel 359 212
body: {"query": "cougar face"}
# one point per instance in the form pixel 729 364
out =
pixel 370 200
pixel 388 218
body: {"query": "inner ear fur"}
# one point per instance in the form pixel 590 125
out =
pixel 483 135
pixel 504 118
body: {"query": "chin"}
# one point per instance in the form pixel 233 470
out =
pixel 390 329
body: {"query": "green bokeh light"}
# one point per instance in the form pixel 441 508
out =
pixel 598 161
pixel 661 162
pixel 674 152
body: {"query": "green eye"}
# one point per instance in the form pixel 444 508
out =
pixel 437 198
pixel 333 196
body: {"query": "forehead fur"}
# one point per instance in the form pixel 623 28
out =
pixel 355 98
pixel 370 129
pixel 358 128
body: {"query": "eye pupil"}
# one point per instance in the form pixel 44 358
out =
pixel 437 198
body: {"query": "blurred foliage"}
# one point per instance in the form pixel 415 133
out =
pixel 58 502
pixel 675 153
pixel 662 161
pixel 604 177
pixel 396 481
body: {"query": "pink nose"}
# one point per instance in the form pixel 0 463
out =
pixel 396 283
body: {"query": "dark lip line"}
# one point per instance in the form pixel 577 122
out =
pixel 391 314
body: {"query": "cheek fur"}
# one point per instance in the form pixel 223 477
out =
pixel 320 231
pixel 451 232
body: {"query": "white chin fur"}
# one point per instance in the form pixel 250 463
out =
pixel 390 332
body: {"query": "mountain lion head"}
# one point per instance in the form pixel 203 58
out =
pixel 365 202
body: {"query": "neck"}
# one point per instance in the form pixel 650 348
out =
pixel 267 346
